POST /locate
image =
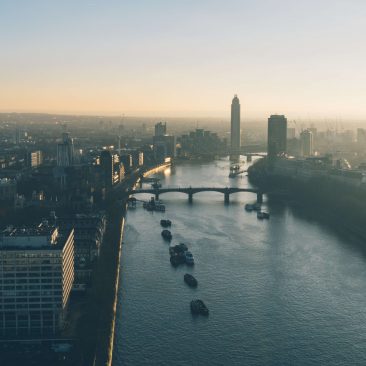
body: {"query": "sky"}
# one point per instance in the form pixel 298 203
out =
pixel 184 58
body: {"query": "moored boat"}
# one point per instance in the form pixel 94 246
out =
pixel 262 215
pixel 189 258
pixel 199 307
pixel 165 223
pixel 190 280
pixel 167 235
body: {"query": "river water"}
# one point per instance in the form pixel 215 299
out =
pixel 287 291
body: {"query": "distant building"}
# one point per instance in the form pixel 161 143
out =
pixel 307 143
pixel 277 135
pixel 361 138
pixel 35 159
pixel 164 146
pixel 8 189
pixel 126 160
pixel 160 129
pixel 235 125
pixel 65 151
pixel 36 277
pixel 291 133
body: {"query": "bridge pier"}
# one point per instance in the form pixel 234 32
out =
pixel 156 196
pixel 227 198
pixel 190 197
pixel 259 197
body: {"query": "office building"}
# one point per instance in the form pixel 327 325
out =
pixel 36 277
pixel 307 143
pixel 235 125
pixel 277 136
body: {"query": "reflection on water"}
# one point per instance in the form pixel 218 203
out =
pixel 287 291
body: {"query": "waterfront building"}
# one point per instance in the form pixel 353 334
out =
pixel 36 277
pixel 277 135
pixel 164 145
pixel 235 125
pixel 65 151
pixel 307 143
pixel 89 230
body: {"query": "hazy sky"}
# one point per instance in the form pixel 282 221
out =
pixel 184 57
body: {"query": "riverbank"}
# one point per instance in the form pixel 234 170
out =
pixel 335 203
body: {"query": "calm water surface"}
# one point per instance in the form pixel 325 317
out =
pixel 287 291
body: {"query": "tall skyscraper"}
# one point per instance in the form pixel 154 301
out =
pixel 307 143
pixel 106 163
pixel 277 135
pixel 235 125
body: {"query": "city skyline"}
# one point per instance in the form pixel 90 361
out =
pixel 184 59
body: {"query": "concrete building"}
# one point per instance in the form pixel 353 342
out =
pixel 235 125
pixel 89 230
pixel 307 143
pixel 36 277
pixel 277 136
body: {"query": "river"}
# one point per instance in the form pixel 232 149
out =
pixel 285 291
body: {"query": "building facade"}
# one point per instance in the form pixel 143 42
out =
pixel 277 136
pixel 307 143
pixel 36 277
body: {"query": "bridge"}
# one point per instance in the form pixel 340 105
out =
pixel 190 191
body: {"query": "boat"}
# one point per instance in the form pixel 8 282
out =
pixel 189 257
pixel 262 215
pixel 154 205
pixel 165 223
pixel 248 207
pixel 198 307
pixel 177 258
pixel 190 280
pixel 167 235
pixel 180 248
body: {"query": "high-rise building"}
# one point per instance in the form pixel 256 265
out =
pixel 106 163
pixel 277 135
pixel 36 277
pixel 307 143
pixel 164 144
pixel 65 151
pixel 235 125
pixel 160 129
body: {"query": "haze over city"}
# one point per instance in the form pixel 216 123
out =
pixel 184 59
